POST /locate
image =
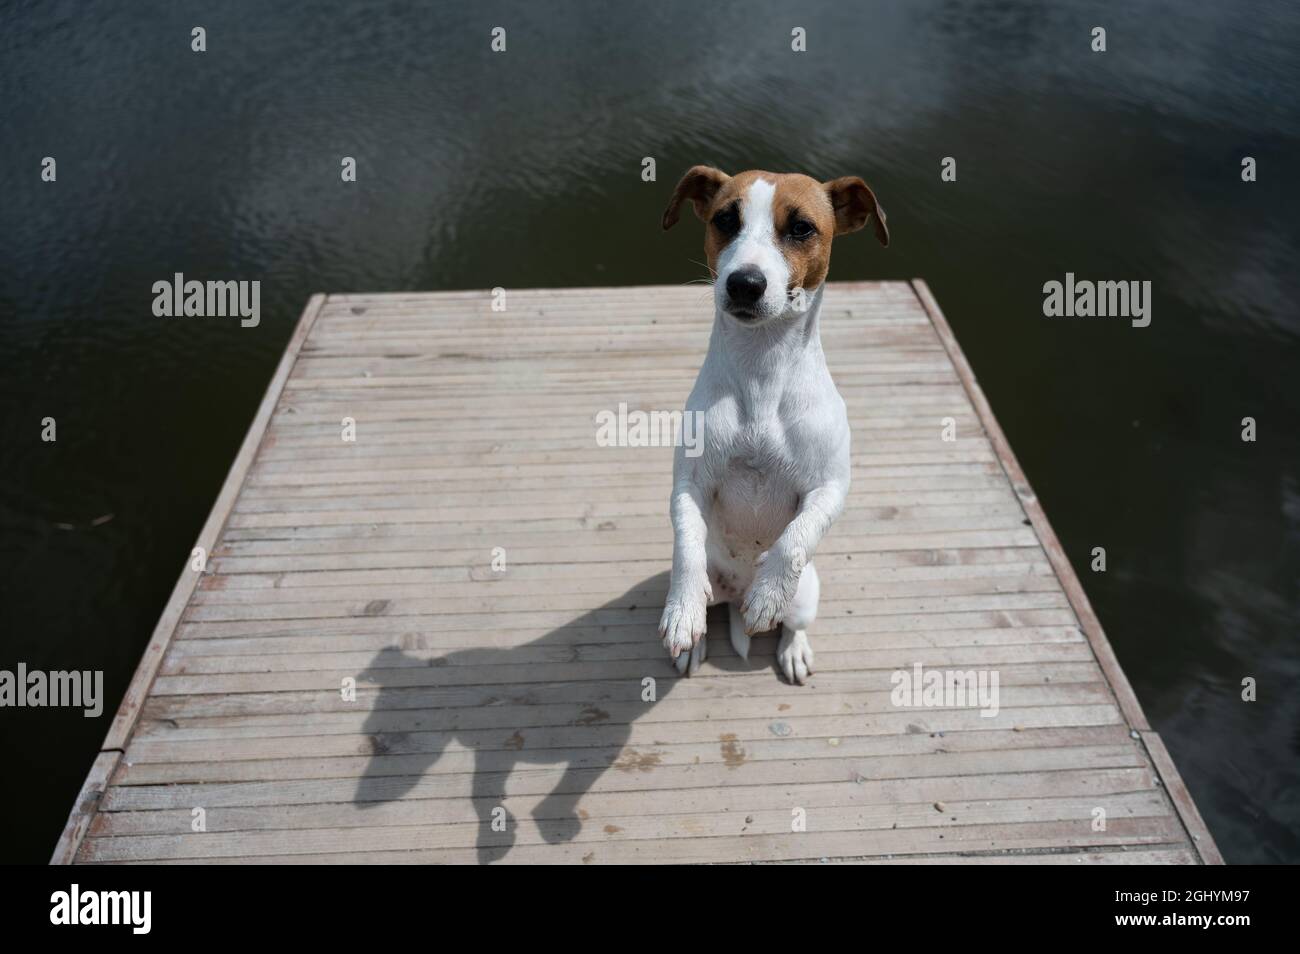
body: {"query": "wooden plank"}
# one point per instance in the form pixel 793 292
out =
pixel 705 760
pixel 692 808
pixel 632 659
pixel 684 848
pixel 490 730
pixel 399 630
pixel 898 827
pixel 818 734
pixel 492 606
pixel 542 577
pixel 416 708
pixel 1092 855
pixel 994 577
pixel 585 644
pixel 829 777
pixel 1122 855
pixel 608 679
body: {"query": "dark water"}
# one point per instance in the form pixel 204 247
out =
pixel 478 169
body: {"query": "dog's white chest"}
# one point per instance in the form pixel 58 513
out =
pixel 757 495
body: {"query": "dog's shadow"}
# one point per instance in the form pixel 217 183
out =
pixel 504 707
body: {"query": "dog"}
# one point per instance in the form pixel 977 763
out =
pixel 749 511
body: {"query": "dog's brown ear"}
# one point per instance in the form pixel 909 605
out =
pixel 700 185
pixel 854 203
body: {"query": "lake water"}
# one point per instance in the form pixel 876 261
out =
pixel 478 169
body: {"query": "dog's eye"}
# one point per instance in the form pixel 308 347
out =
pixel 727 221
pixel 801 229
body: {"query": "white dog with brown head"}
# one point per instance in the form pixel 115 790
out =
pixel 749 511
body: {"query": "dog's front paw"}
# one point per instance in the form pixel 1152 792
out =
pixel 795 656
pixel 773 588
pixel 683 624
pixel 764 602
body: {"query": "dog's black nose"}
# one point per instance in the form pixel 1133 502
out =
pixel 746 285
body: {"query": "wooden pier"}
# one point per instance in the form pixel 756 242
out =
pixel 489 580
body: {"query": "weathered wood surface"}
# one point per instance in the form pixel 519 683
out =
pixel 517 696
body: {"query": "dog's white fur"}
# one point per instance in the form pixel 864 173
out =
pixel 749 512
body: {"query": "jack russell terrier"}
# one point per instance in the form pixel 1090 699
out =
pixel 750 510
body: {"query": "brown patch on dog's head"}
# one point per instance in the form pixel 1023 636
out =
pixel 803 221
pixel 806 215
